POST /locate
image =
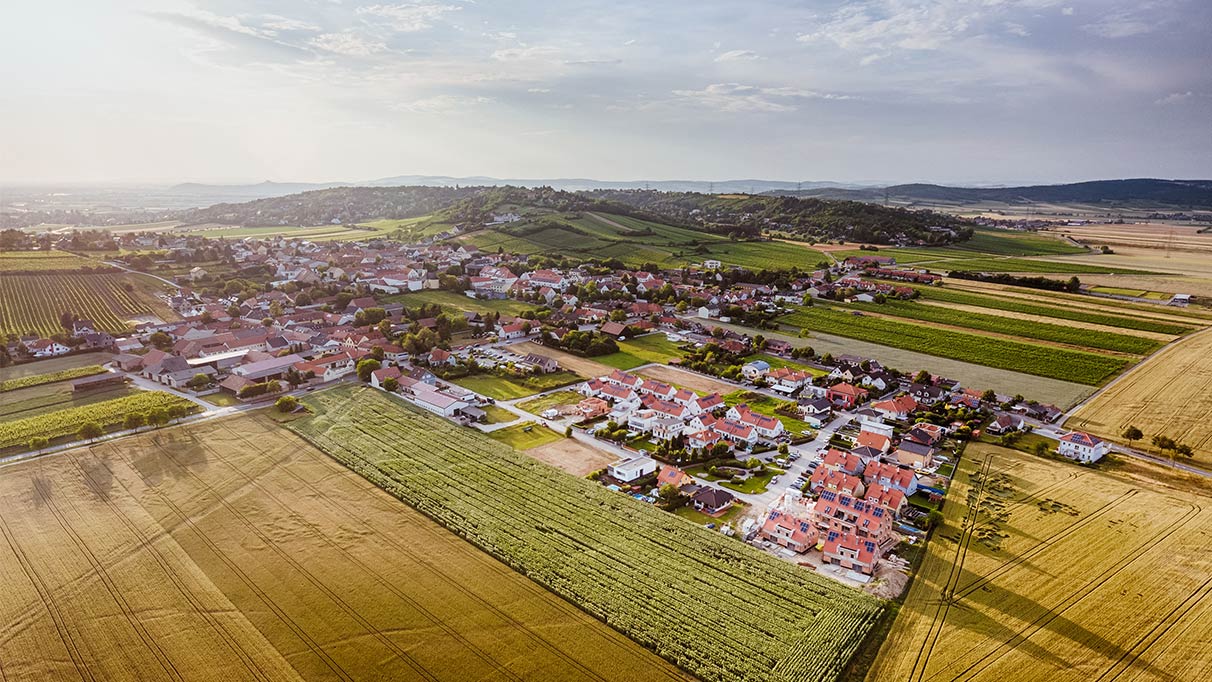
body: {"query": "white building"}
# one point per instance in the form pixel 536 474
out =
pixel 628 470
pixel 1082 447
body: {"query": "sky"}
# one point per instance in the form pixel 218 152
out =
pixel 968 91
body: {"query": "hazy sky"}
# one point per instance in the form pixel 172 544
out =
pixel 879 90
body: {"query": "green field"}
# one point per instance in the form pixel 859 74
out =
pixel 720 609
pixel 45 262
pixel 641 350
pixel 951 295
pixel 525 435
pixel 49 377
pixel 635 241
pixel 1026 329
pixel 47 398
pixel 52 365
pixel 456 301
pixel 545 402
pixel 509 388
pixel 62 422
pixel 1045 361
pixel 776 362
pixel 498 415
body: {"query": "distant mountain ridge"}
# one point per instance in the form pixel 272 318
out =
pixel 1135 191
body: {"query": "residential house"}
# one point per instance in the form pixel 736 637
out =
pixel 793 532
pixel 631 469
pixel 914 454
pixel 891 476
pixel 1005 423
pixel 851 552
pixel 899 408
pixel 1082 447
pixel 766 427
pixel 755 370
pixel 845 395
pixel 712 501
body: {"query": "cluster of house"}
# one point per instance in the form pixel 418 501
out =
pixel 665 412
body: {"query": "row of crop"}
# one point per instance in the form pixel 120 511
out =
pixel 106 414
pixel 45 261
pixel 50 377
pixel 1056 363
pixel 34 303
pixel 997 324
pixel 1062 313
pixel 666 583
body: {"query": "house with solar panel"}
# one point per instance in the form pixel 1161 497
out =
pixel 793 531
pixel 857 531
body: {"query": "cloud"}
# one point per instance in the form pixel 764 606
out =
pixel 737 98
pixel 539 91
pixel 347 43
pixel 253 43
pixel 410 17
pixel 1175 98
pixel 1067 11
pixel 737 56
pixel 439 104
pixel 592 62
pixel 276 22
pixel 1122 24
pixel 1017 29
pixel 523 53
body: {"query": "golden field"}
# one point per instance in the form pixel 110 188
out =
pixel 1053 572
pixel 1168 395
pixel 233 550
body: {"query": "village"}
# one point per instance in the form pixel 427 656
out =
pixel 829 462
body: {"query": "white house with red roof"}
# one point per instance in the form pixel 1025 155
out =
pixel 1082 447
pixel 766 426
pixel 794 532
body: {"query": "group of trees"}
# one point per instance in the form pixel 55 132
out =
pixel 1162 442
pixel 587 343
pixel 91 431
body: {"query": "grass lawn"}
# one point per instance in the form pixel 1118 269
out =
pixel 221 399
pixel 754 485
pixel 525 435
pixel 776 362
pixel 691 514
pixel 509 388
pixel 763 404
pixel 642 350
pixel 922 501
pixel 456 301
pixel 498 415
pixel 545 402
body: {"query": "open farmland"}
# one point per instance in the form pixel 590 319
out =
pixel 31 380
pixel 45 261
pixel 716 607
pixel 1029 330
pixel 1053 572
pixel 1044 389
pixel 1124 312
pixel 635 242
pixel 62 423
pixel 1168 395
pixel 33 303
pixel 233 550
pixel 1058 363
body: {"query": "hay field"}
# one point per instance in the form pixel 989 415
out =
pixel 1169 395
pixel 233 550
pixel 1053 572
pixel 1076 324
pixel 1160 313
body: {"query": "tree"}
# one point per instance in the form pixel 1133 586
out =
pixel 391 384
pixel 669 493
pixel 176 412
pixel 199 381
pixel 1184 450
pixel 1040 448
pixel 90 431
pixel 367 367
pixel 922 377
pixel 157 416
pixel 161 340
pixel 134 420
pixel 934 519
pixel 287 404
pixel 1132 434
pixel 989 396
pixel 38 444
